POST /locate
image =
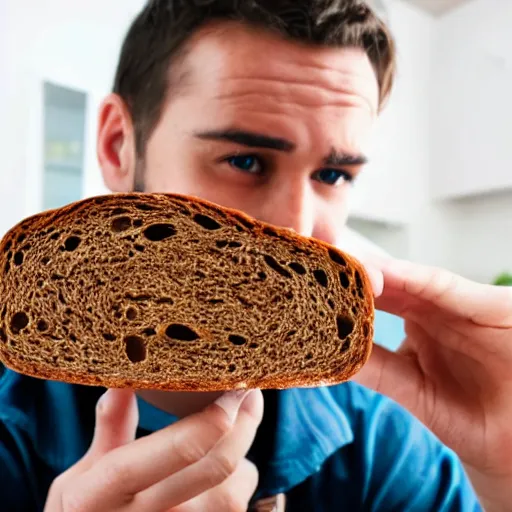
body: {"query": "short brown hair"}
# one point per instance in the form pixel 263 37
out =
pixel 161 30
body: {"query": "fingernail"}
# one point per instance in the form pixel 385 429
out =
pixel 250 402
pixel 374 275
pixel 231 402
pixel 104 401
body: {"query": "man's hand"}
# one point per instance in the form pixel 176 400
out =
pixel 197 464
pixel 454 369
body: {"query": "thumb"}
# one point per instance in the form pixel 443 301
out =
pixel 395 375
pixel 373 265
pixel 117 417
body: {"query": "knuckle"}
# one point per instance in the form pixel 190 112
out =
pixel 58 484
pixel 73 501
pixel 59 490
pixel 117 474
pixel 104 414
pixel 215 425
pixel 251 474
pixel 217 420
pixel 440 282
pixel 220 467
pixel 232 503
pixel 188 452
pixel 54 496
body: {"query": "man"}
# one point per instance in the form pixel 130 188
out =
pixel 267 106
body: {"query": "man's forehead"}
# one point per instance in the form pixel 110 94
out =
pixel 223 51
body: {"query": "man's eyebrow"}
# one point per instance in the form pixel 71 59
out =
pixel 249 139
pixel 259 140
pixel 340 158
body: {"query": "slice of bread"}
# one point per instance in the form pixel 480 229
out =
pixel 160 291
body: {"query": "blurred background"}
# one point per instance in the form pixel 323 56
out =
pixel 439 186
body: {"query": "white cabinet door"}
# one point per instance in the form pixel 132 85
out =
pixel 472 107
pixel 378 191
pixel 394 184
pixel 474 141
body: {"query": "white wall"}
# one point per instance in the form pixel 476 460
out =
pixel 71 43
pixel 388 189
pixel 472 135
pixel 418 231
pixel 472 103
pixel 414 33
pixel 391 238
pixel 482 229
pixel 12 117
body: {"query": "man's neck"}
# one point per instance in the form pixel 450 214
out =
pixel 179 404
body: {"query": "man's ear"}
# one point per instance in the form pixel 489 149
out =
pixel 116 145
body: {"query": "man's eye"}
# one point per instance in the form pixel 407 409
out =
pixel 332 176
pixel 246 163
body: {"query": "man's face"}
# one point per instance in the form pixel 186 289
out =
pixel 267 126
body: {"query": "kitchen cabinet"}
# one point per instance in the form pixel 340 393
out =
pixel 473 144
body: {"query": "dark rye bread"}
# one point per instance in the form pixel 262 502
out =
pixel 160 291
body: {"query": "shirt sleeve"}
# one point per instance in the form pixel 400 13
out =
pixel 408 469
pixel 24 480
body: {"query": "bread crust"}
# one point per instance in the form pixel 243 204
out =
pixel 56 218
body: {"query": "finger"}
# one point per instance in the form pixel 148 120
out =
pixel 472 345
pixel 209 472
pixel 399 303
pixel 234 493
pixel 374 275
pixel 394 375
pixel 124 472
pixel 482 304
pixel 353 246
pixel 117 417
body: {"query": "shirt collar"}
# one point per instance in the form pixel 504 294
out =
pixel 311 426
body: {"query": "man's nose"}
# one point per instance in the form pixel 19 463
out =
pixel 290 206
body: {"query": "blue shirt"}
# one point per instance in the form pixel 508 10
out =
pixel 329 449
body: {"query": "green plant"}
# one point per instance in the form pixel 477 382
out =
pixel 504 279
